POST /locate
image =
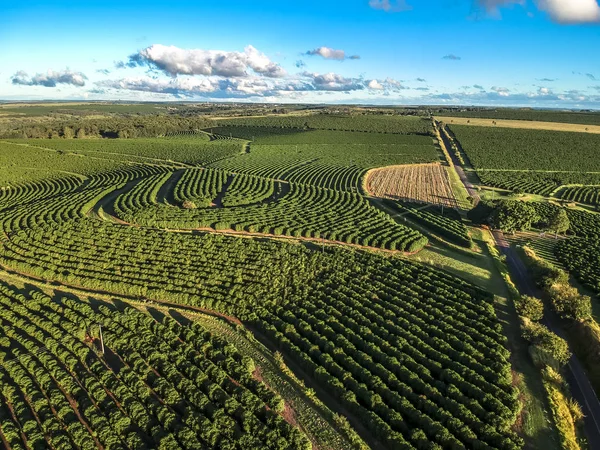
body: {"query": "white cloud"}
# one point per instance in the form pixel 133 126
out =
pixel 374 84
pixel 330 53
pixel 501 91
pixel 177 61
pixel 252 86
pixel 50 78
pixel 333 82
pixel 561 11
pixel 571 11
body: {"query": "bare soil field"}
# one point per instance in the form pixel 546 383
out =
pixel 524 124
pixel 425 183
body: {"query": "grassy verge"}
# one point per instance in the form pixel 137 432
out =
pixel 564 411
pixel 324 428
pixel 458 188
pixel 461 194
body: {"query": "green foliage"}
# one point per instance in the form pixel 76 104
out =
pixel 530 307
pixel 514 216
pixel 365 123
pixel 252 203
pixel 102 127
pixel 520 149
pixel 335 160
pixel 569 304
pixel 559 221
pixel 533 161
pixel 183 150
pixel 546 341
pixel 583 194
pixel 446 223
pixel 352 344
pixel 171 378
pixel 581 256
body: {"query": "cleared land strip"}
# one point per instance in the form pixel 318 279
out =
pixel 525 124
pixel 428 183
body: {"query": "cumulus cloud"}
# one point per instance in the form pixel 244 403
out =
pixel 103 71
pixel 544 91
pixel 330 53
pixel 421 80
pixel 452 57
pixel 252 86
pixel 501 96
pixel 374 84
pixel 300 64
pixel 590 76
pixel 502 91
pixel 547 80
pixel 333 82
pixel 561 11
pixel 390 5
pixel 177 61
pixel 478 86
pixel 50 78
pixel 571 11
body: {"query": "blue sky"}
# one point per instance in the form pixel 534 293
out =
pixel 489 52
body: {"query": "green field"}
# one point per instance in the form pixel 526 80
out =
pixel 400 354
pixel 279 305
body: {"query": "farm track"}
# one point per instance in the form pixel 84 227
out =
pixel 460 170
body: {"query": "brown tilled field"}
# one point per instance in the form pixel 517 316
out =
pixel 427 183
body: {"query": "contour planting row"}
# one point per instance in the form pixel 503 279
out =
pixel 582 194
pixel 199 186
pixel 167 385
pixel 248 189
pixel 21 193
pixel 52 212
pixel 335 166
pixel 417 357
pixel 305 211
pixel 539 183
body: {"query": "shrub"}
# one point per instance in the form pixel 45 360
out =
pixel 530 307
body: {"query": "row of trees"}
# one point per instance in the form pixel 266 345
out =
pixel 417 358
pixel 104 127
pixel 189 396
